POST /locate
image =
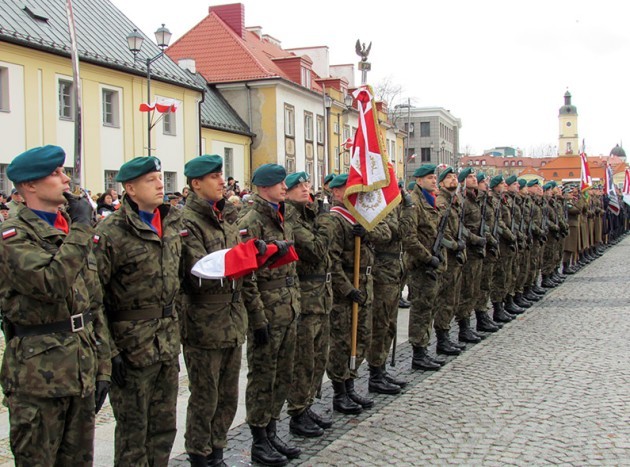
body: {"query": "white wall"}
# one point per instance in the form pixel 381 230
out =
pixel 170 149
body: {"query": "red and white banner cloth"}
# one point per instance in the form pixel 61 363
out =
pixel 609 190
pixel 586 180
pixel 372 190
pixel 164 106
pixel 626 187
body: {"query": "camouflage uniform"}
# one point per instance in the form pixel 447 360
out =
pixel 342 257
pixel 517 214
pixel 502 273
pixel 313 327
pixel 387 276
pixel 525 250
pixel 492 249
pixel 538 237
pixel 213 323
pixel 553 240
pixel 48 377
pixel 140 274
pixel 272 299
pixel 419 231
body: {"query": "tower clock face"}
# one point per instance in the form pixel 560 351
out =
pixel 568 123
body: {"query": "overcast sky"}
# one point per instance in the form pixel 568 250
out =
pixel 502 67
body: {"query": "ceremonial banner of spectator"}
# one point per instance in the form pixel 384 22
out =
pixel 626 187
pixel 372 190
pixel 609 190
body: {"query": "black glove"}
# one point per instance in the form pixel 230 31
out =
pixel 79 209
pixel 481 241
pixel 283 247
pixel 102 388
pixel 357 296
pixel 359 231
pixel 119 371
pixel 434 262
pixel 261 246
pixel 407 202
pixel 261 335
pixel 461 245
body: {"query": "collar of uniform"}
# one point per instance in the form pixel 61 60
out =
pixel 263 206
pixel 129 209
pixel 41 227
pixel 202 207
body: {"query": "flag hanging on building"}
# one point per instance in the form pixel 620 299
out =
pixel 372 190
pixel 609 190
pixel 586 180
pixel 626 187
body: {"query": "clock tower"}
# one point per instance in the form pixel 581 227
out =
pixel 568 119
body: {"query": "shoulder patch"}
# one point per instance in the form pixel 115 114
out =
pixel 96 239
pixel 183 233
pixel 9 233
pixel 243 232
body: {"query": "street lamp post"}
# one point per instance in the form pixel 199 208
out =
pixel 347 100
pixel 327 106
pixel 134 42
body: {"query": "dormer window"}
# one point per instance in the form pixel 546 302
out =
pixel 306 77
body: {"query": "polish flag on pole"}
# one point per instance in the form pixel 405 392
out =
pixel 609 190
pixel 586 180
pixel 372 189
pixel 626 187
pixel 165 106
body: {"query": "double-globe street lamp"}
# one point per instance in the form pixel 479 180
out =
pixel 134 42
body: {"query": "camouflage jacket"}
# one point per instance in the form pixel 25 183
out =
pixel 139 272
pixel 419 229
pixel 47 277
pixel 536 222
pixel 516 214
pixel 342 250
pixel 505 218
pixel 387 261
pixel 491 204
pixel 312 241
pixel 213 315
pixel 472 221
pixel 442 202
pixel 271 295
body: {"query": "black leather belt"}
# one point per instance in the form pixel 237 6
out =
pixel 288 281
pixel 201 299
pixel 383 254
pixel 141 313
pixel 316 277
pixel 75 323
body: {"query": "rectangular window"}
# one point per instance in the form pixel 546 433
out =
pixel 337 160
pixel 346 132
pixel 320 129
pixel 66 100
pixel 228 161
pixel 168 121
pixel 306 77
pixel 170 182
pixel 336 128
pixel 308 126
pixel 290 165
pixel 425 129
pixel 110 181
pixel 110 108
pixel 425 155
pixel 5 184
pixel 289 120
pixel 309 170
pixel 4 90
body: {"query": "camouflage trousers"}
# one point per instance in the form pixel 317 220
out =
pixel 502 274
pixel 516 270
pixel 534 263
pixel 423 290
pixel 384 321
pixel 447 299
pixel 311 357
pixel 270 370
pixel 471 284
pixel 51 431
pixel 338 367
pixel 145 411
pixel 485 282
pixel 213 383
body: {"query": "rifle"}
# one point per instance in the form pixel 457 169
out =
pixel 460 231
pixel 484 208
pixel 512 215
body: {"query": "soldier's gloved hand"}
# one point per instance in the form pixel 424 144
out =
pixel 407 202
pixel 261 246
pixel 359 231
pixel 102 389
pixel 79 209
pixel 119 371
pixel 481 241
pixel 261 335
pixel 461 245
pixel 283 247
pixel 357 296
pixel 434 262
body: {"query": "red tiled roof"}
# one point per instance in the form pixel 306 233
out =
pixel 222 56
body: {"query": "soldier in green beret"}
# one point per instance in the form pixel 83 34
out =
pixel 56 366
pixel 538 235
pixel 312 241
pixel 272 300
pixel 139 250
pixel 213 319
pixel 516 304
pixel 550 258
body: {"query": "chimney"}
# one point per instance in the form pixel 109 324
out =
pixel 187 64
pixel 233 15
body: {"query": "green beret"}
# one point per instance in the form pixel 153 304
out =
pixel 203 165
pixel 424 170
pixel 481 176
pixel 444 173
pixel 269 175
pixel 533 182
pixel 522 182
pixel 465 173
pixel 137 167
pixel 548 186
pixel 411 185
pixel 328 178
pixel 496 180
pixel 339 181
pixel 35 163
pixel 296 178
pixel 511 179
